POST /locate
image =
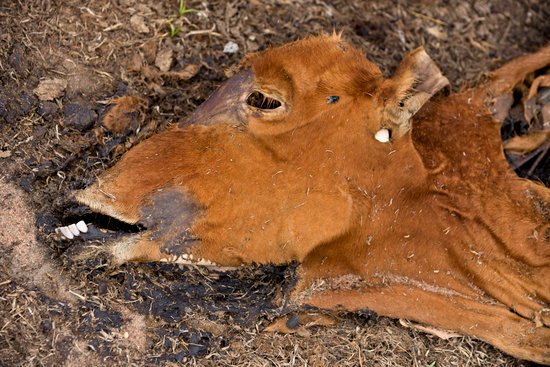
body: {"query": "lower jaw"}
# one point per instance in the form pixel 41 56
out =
pixel 89 232
pixel 186 259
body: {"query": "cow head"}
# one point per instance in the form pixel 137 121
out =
pixel 263 171
pixel 308 154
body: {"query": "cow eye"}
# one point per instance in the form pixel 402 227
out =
pixel 259 100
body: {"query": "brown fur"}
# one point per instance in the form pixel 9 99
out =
pixel 434 226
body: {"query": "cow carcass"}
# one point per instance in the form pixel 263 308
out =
pixel 391 198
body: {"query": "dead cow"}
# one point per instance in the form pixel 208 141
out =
pixel 389 199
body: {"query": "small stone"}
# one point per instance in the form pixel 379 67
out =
pixel 230 47
pixel 164 59
pixel 26 102
pixel 138 23
pixel 48 89
pixel 5 153
pixel 46 109
pixel 78 116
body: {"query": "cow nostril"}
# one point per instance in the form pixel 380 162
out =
pixel 259 100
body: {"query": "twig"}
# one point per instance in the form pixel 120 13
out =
pixel 77 295
pixel 429 18
pixel 204 31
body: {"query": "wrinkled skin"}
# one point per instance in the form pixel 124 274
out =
pixel 432 226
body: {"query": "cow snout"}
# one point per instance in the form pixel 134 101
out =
pixel 226 105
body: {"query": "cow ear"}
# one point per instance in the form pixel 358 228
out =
pixel 415 81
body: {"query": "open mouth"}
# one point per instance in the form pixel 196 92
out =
pixel 103 228
pixel 95 226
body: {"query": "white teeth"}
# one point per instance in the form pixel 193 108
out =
pixel 66 232
pixel 382 135
pixel 183 261
pixel 73 229
pixel 82 227
pixel 186 259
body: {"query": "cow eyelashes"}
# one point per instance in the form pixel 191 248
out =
pixel 259 100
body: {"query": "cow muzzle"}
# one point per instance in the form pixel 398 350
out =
pixel 226 105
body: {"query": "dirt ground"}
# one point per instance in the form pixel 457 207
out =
pixel 63 61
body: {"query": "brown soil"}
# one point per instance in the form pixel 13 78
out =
pixel 62 62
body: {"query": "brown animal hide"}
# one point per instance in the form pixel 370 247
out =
pixel 282 164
